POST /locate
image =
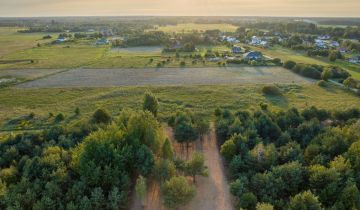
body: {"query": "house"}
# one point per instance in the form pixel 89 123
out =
pixel 324 37
pixel 319 43
pixel 334 44
pixel 255 41
pixel 102 41
pixel 253 55
pixel 230 39
pixel 343 50
pixel 236 49
pixel 60 40
pixel 355 59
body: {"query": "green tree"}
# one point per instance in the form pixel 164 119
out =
pixel 151 103
pixel 177 192
pixel 228 149
pixel 248 201
pixel 164 170
pixel 195 166
pixel 332 56
pixel 167 150
pixel 326 74
pixel 304 201
pixel 140 189
pixel 264 206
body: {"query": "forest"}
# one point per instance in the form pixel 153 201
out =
pixel 292 159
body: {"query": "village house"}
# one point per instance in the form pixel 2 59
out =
pixel 253 55
pixel 236 49
pixel 102 41
pixel 334 44
pixel 355 59
pixel 324 37
pixel 319 43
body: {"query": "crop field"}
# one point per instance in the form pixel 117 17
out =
pixel 166 76
pixel 190 27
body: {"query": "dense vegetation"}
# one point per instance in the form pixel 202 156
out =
pixel 292 159
pixel 90 165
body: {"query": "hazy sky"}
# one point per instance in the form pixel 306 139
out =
pixel 314 8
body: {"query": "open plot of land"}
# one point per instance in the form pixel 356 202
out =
pixel 166 76
pixel 28 74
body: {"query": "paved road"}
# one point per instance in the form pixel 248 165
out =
pixel 165 76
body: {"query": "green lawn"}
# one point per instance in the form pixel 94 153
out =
pixel 202 99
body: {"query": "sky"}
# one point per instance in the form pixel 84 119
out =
pixel 298 8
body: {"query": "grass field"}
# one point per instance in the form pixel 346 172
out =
pixel 203 99
pixel 189 27
pixel 55 56
pixel 11 41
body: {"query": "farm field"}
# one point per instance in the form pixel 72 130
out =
pixel 166 76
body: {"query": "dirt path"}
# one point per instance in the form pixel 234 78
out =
pixel 212 191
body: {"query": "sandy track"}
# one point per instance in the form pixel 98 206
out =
pixel 212 191
pixel 165 76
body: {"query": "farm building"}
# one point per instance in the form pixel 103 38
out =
pixel 253 55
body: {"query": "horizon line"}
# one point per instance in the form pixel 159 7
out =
pixel 135 15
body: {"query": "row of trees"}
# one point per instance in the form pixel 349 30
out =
pixel 291 159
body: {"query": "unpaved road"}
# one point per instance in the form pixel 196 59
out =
pixel 212 192
pixel 166 76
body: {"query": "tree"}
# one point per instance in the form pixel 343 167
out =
pixel 202 127
pixel 289 64
pixel 248 201
pixel 332 56
pixel 101 116
pixel 326 74
pixel 164 170
pixel 304 201
pixel 195 166
pixel 167 150
pixel 177 192
pixel 228 149
pixel 264 206
pixel 151 103
pixel 185 132
pixel 77 111
pixel 140 189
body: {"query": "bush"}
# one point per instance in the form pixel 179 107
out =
pixel 182 63
pixel 60 117
pixel 101 116
pixel 321 83
pixel 289 64
pixel 271 90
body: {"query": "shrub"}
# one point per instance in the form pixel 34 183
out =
pixel 321 83
pixel 60 117
pixel 289 64
pixel 182 63
pixel 271 90
pixel 101 116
